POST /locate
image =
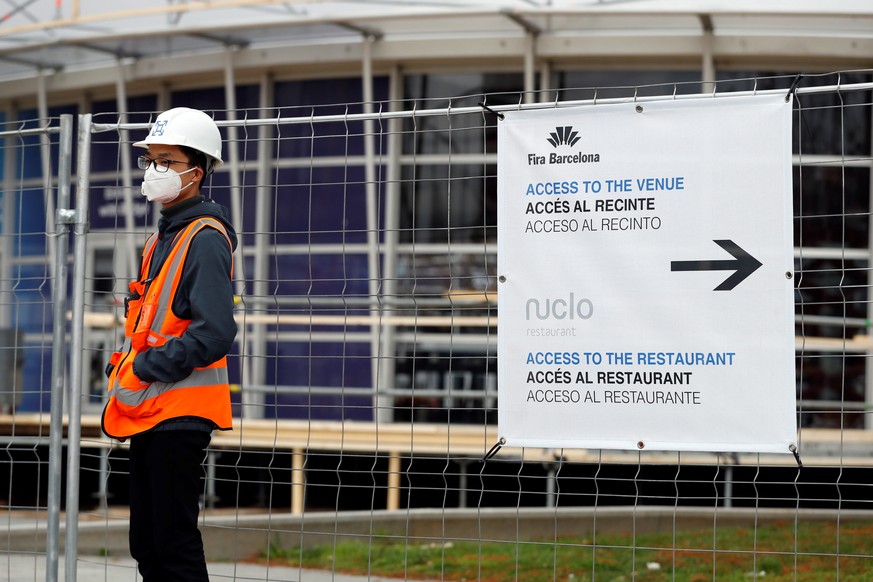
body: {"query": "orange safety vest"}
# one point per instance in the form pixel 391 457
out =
pixel 135 406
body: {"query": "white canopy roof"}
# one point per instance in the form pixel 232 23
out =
pixel 72 37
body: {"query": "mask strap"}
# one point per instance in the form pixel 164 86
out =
pixel 182 174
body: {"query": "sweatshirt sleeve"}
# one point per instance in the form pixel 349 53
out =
pixel 205 296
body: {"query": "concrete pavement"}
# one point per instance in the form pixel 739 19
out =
pixel 32 567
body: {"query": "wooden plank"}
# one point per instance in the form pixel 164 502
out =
pixel 394 470
pixel 298 481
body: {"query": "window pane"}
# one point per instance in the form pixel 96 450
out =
pixel 831 206
pixel 448 203
pixel 469 133
pixel 834 123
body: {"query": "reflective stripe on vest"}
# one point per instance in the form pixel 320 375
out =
pixel 199 377
pixel 132 410
pixel 147 252
pixel 174 269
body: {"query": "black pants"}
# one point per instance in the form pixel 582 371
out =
pixel 165 487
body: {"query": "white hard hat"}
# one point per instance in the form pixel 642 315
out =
pixel 183 126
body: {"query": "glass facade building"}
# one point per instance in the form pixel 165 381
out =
pixel 341 60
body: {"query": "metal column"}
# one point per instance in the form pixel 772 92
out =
pixel 530 47
pixel 232 160
pixel 546 82
pixel 45 159
pixel 388 338
pixel 708 63
pixel 10 202
pixel 255 362
pixel 128 267
pixel 382 413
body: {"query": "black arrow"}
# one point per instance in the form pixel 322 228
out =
pixel 743 264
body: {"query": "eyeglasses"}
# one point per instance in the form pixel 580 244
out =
pixel 161 164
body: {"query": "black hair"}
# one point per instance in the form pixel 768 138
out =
pixel 197 158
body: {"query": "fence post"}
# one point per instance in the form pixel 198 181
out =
pixel 83 168
pixel 59 326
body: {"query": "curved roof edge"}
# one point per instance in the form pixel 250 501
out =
pixel 64 46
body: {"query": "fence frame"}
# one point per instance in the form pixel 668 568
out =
pixel 72 218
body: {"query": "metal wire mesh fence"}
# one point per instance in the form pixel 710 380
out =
pixel 365 368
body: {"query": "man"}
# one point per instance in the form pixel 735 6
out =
pixel 168 386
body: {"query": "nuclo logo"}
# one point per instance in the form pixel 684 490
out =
pixel 564 136
pixel 558 308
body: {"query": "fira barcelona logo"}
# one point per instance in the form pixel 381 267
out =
pixel 564 136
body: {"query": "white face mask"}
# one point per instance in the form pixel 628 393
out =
pixel 163 187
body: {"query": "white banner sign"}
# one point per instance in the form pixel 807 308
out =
pixel 646 276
